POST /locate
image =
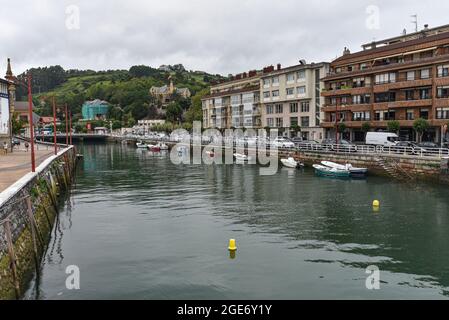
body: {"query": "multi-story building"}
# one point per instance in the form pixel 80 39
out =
pixel 291 99
pixel 234 103
pixel 402 79
pixel 7 105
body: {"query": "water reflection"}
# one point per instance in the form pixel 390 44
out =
pixel 158 229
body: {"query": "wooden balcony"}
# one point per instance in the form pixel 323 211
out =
pixel 403 104
pixel 401 85
pixel 346 91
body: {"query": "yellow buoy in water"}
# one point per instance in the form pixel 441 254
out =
pixel 232 246
pixel 376 203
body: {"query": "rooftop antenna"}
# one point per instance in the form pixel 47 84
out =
pixel 415 21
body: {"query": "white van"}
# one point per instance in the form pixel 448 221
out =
pixel 382 139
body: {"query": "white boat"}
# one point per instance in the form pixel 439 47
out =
pixel 291 163
pixel 141 145
pixel 241 157
pixel 355 172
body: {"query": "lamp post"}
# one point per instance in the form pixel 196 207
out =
pixel 66 126
pixel 54 126
pixel 70 121
pixel 30 115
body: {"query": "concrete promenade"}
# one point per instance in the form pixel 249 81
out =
pixel 14 166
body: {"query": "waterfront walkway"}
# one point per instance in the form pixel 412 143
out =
pixel 15 165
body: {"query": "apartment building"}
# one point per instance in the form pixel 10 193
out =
pixel 402 78
pixel 291 99
pixel 234 103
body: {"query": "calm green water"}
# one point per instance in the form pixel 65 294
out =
pixel 140 227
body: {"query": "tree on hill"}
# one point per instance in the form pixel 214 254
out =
pixel 140 71
pixel 173 112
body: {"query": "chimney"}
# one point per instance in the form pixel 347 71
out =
pixel 426 27
pixel 279 66
pixel 346 51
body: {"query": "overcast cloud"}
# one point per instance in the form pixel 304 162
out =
pixel 217 36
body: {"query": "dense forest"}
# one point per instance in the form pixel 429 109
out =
pixel 127 91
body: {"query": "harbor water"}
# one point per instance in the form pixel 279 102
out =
pixel 140 227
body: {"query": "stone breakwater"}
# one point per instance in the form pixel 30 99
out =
pixel 27 213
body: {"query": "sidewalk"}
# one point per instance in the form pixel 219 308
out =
pixel 15 165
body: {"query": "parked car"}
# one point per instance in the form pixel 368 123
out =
pixel 280 142
pixel 427 145
pixel 309 145
pixel 15 142
pixel 343 145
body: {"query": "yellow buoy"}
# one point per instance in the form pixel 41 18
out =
pixel 376 203
pixel 232 246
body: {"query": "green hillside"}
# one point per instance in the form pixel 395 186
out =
pixel 127 91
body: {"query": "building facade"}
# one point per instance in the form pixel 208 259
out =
pixel 95 110
pixel 7 105
pixel 165 94
pixel 399 79
pixel 234 103
pixel 291 100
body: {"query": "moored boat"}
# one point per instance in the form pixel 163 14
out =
pixel 162 146
pixel 324 171
pixel 141 145
pixel 291 163
pixel 355 172
pixel 154 148
pixel 241 157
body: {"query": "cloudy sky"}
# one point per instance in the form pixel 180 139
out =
pixel 218 36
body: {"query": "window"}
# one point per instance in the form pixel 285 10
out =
pixel 361 99
pixel 266 94
pixel 443 70
pixel 378 116
pixel 410 75
pixel 389 115
pixel 266 83
pixel 270 122
pixel 269 109
pixel 305 122
pixel 424 113
pixel 385 78
pixel 425 74
pixel 305 106
pixel 293 107
pixel 424 93
pixel 358 82
pixel 235 99
pixel 442 113
pixel 279 108
pixel 293 121
pixel 363 66
pixel 279 122
pixel 290 77
pixel 275 93
pixel 275 81
pixel 301 90
pixel 409 95
pixel 443 92
pixel 344 100
pixel 410 114
pixel 385 97
pixel 290 91
pixel 301 74
pixel 361 116
pixel 333 101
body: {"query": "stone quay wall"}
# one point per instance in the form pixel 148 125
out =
pixel 27 213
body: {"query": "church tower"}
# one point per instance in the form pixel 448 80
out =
pixel 11 88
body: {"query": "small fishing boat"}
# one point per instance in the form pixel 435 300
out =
pixel 154 148
pixel 241 157
pixel 291 163
pixel 355 172
pixel 141 145
pixel 324 171
pixel 162 146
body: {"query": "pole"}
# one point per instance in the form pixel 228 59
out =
pixel 336 124
pixel 54 126
pixel 70 118
pixel 66 126
pixel 30 120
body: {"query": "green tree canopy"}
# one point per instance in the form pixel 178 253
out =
pixel 393 126
pixel 420 125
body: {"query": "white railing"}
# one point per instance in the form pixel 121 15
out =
pixel 381 150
